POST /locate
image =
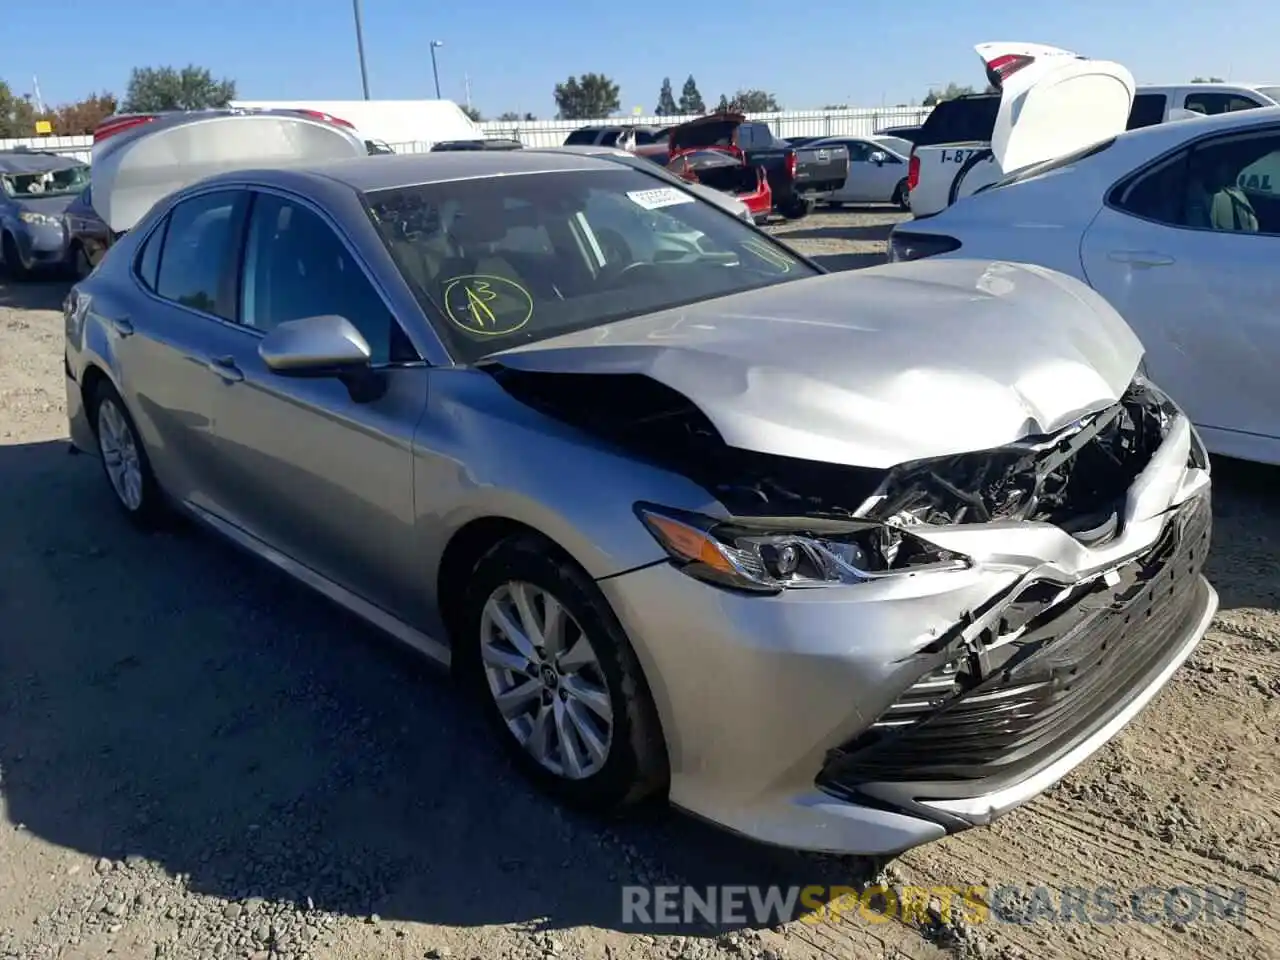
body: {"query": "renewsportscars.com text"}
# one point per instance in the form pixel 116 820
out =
pixel 975 904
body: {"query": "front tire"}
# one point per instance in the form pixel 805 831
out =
pixel 124 459
pixel 12 259
pixel 559 682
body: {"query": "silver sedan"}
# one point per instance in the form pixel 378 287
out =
pixel 840 562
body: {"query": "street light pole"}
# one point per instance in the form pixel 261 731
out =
pixel 435 70
pixel 364 74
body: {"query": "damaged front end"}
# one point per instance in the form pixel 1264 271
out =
pixel 1064 642
pixel 1077 479
pixel 1025 681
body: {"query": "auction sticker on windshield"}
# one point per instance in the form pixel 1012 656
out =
pixel 661 197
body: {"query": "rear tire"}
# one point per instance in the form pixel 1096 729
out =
pixel 554 689
pixel 902 196
pixel 124 459
pixel 797 207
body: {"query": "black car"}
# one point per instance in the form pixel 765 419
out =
pixel 88 236
pixel 607 136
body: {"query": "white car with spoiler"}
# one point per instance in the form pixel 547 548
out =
pixel 1051 102
pixel 1177 225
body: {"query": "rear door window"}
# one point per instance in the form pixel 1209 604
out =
pixel 712 133
pixel 1211 104
pixel 858 151
pixel 195 267
pixel 1148 109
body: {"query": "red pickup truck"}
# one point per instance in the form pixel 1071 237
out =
pixel 795 174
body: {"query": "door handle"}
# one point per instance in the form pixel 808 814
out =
pixel 1141 258
pixel 121 326
pixel 225 367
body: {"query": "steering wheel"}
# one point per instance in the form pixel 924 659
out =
pixel 613 275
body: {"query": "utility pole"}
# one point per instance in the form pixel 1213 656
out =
pixel 364 73
pixel 435 69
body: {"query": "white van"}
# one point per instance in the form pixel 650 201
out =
pixel 1050 102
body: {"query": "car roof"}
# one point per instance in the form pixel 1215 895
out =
pixel 1173 132
pixel 367 174
pixel 1133 148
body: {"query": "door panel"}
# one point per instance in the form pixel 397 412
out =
pixel 1206 305
pixel 163 347
pixel 320 476
pixel 1188 255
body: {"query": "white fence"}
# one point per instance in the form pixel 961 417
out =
pixel 551 133
pixel 792 123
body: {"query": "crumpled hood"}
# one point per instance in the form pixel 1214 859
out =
pixel 875 367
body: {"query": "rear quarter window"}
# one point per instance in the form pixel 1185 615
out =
pixel 1148 109
pixel 147 266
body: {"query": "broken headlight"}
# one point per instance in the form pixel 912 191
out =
pixel 768 555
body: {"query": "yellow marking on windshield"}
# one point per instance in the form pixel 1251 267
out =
pixel 476 297
pixel 487 306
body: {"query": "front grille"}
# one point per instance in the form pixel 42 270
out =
pixel 1056 666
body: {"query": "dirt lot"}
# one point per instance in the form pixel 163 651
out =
pixel 200 759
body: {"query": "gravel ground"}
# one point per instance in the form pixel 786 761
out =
pixel 199 759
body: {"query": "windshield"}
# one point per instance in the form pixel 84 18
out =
pixel 501 261
pixel 53 183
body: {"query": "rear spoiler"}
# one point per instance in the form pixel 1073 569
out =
pixel 138 162
pixel 493 143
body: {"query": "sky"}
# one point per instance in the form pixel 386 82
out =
pixel 867 53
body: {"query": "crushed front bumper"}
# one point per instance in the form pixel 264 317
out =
pixel 1037 702
pixel 870 718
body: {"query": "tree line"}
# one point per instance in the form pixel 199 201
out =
pixel 150 89
pixel 592 95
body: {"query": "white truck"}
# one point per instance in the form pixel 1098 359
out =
pixel 1049 103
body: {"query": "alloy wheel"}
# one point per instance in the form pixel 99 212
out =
pixel 120 454
pixel 546 680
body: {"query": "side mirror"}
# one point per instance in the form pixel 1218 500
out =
pixel 324 346
pixel 878 157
